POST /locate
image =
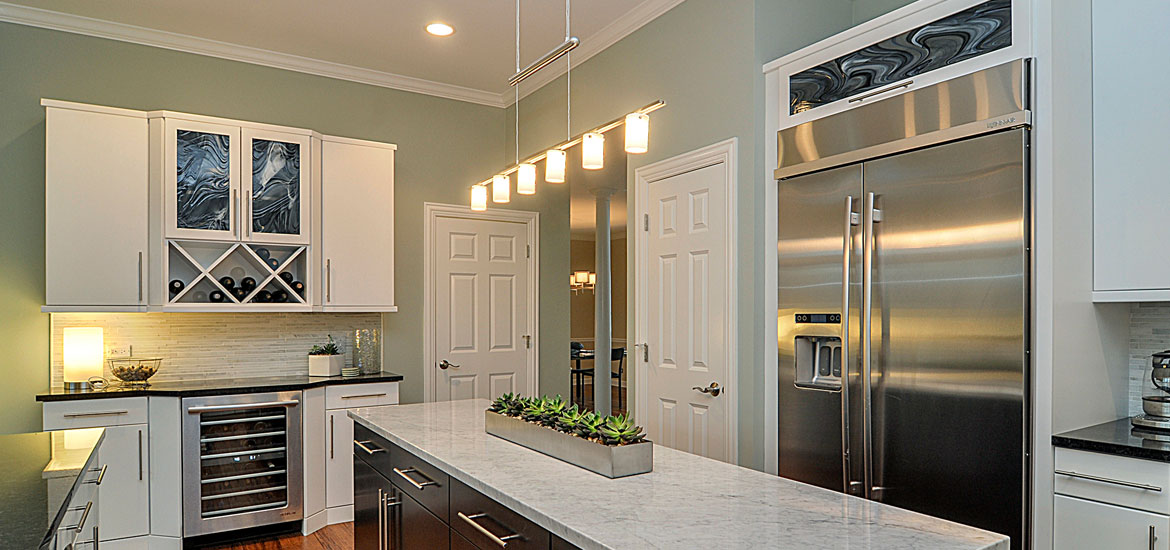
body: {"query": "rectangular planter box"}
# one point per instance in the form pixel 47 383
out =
pixel 609 461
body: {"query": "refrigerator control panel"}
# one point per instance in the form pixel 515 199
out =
pixel 819 318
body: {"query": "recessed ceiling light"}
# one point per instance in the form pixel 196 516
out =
pixel 440 29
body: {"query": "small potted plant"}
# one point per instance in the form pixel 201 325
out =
pixel 326 360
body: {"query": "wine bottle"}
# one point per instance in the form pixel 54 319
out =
pixel 299 287
pixel 216 296
pixel 288 277
pixel 248 284
pixel 177 286
pixel 273 263
pixel 280 296
pixel 227 282
pixel 240 293
pixel 263 297
pixel 263 253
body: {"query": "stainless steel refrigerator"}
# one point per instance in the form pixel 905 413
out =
pixel 903 301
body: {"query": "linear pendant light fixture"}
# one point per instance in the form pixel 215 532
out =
pixel 592 142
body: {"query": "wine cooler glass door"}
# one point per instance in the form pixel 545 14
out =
pixel 241 461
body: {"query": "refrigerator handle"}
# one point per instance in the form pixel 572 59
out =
pixel 851 219
pixel 866 351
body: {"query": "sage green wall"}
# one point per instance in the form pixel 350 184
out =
pixel 443 146
pixel 704 59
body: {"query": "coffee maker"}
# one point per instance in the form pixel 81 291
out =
pixel 1156 395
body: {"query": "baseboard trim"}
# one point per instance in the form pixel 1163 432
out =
pixel 339 514
pixel 313 523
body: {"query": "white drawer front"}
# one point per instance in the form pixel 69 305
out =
pixel 350 396
pixel 93 413
pixel 1131 482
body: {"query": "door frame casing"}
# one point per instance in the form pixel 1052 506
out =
pixel 432 211
pixel 724 152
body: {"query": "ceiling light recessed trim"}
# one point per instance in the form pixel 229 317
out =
pixel 439 28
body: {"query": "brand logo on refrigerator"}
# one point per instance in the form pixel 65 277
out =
pixel 1001 122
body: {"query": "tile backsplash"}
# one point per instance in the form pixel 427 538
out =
pixel 1149 333
pixel 208 345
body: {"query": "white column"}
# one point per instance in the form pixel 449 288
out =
pixel 603 306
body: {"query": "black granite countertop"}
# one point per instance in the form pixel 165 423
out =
pixel 218 386
pixel 40 474
pixel 1116 438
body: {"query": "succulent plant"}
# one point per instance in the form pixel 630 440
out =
pixel 590 425
pixel 620 430
pixel 502 403
pixel 551 410
pixel 330 348
pixel 570 419
pixel 533 410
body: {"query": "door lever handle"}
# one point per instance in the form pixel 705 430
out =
pixel 713 390
pixel 445 364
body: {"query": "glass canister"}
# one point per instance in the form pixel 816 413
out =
pixel 367 350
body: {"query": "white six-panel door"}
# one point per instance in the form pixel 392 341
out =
pixel 481 323
pixel 688 312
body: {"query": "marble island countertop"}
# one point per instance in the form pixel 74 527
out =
pixel 686 502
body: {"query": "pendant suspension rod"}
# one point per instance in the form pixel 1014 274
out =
pixel 541 63
pixel 577 139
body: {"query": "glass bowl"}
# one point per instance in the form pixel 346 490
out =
pixel 134 370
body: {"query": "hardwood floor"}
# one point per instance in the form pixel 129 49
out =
pixel 332 537
pixel 588 404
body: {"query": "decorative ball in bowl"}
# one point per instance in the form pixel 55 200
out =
pixel 134 370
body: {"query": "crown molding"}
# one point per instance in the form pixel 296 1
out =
pixel 46 19
pixel 594 44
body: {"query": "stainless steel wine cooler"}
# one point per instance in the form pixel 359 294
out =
pixel 247 468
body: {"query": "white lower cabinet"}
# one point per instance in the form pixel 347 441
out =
pixel 124 508
pixel 339 441
pixel 125 505
pixel 1086 525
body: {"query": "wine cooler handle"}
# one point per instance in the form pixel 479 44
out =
pixel 243 406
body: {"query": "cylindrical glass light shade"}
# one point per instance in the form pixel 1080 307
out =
pixel 554 166
pixel 637 133
pixel 526 180
pixel 501 189
pixel 479 198
pixel 593 151
pixel 82 354
pixel 592 278
pixel 582 277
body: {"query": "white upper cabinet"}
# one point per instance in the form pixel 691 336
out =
pixel 201 180
pixel 95 208
pixel 166 211
pixel 275 187
pixel 1131 132
pixel 921 44
pixel 357 228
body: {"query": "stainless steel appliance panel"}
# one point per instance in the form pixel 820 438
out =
pixel 947 328
pixel 818 222
pixel 242 461
pixel 979 102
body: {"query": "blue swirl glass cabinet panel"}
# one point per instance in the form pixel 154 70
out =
pixel 277 190
pixel 201 195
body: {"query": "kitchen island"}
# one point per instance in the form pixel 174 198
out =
pixel 686 502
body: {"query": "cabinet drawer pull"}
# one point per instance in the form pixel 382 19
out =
pixel 89 415
pixel 501 541
pixel 383 394
pixel 381 519
pixel 368 450
pixel 81 522
pixel 417 485
pixel 1098 479
pixel 882 91
pixel 100 477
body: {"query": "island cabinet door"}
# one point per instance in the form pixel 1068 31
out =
pixel 412 527
pixel 1080 524
pixel 371 491
pixel 490 525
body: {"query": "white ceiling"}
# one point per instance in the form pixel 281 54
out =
pixel 374 40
